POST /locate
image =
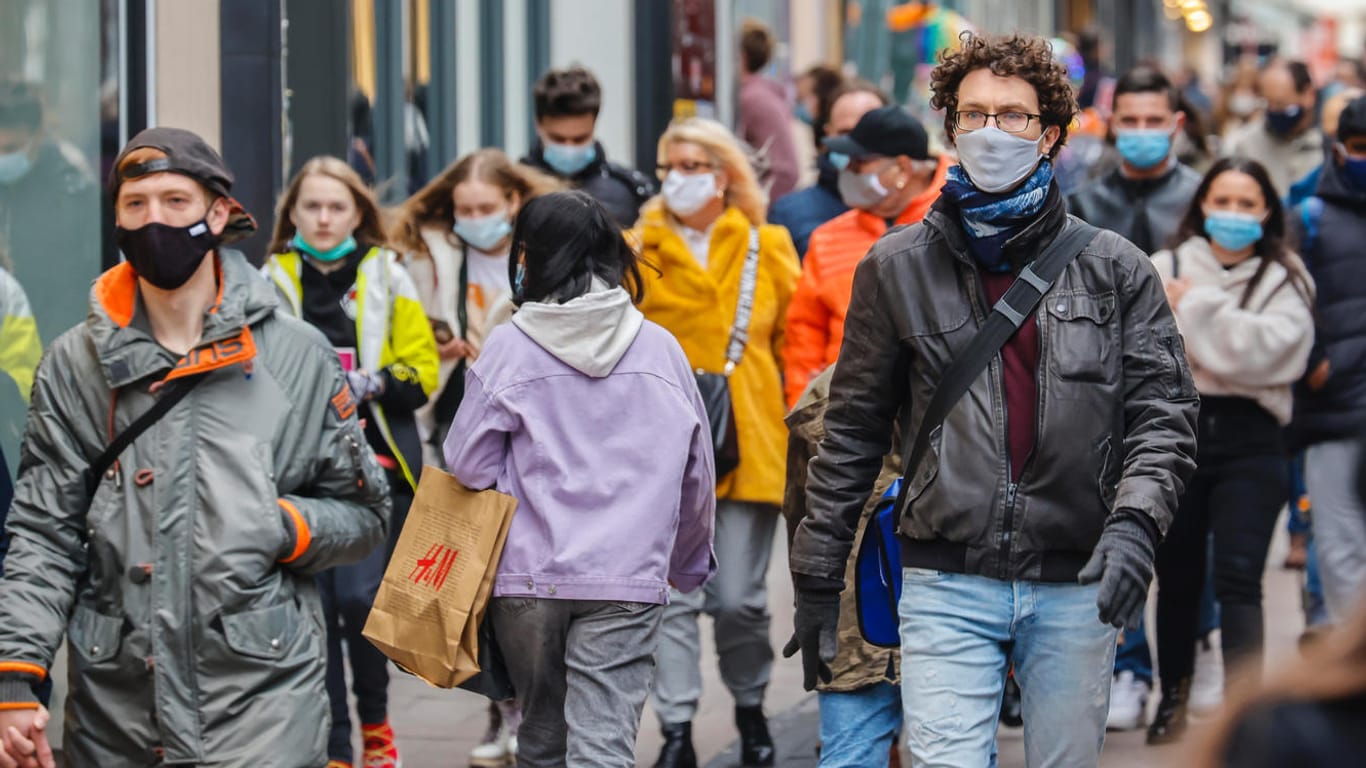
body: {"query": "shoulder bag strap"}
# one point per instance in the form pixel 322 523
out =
pixel 173 393
pixel 1006 317
pixel 744 305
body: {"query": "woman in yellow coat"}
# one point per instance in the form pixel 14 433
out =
pixel 697 235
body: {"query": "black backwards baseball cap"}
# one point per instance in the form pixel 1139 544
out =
pixel 1352 121
pixel 188 155
pixel 887 132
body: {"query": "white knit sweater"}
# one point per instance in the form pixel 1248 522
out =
pixel 1257 351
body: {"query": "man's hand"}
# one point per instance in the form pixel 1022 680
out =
pixel 23 733
pixel 1319 376
pixel 815 635
pixel 1123 564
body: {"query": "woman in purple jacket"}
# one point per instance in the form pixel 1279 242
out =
pixel 589 415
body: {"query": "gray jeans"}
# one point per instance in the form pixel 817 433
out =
pixel 737 598
pixel 1339 520
pixel 582 670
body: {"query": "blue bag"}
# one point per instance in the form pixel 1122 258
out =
pixel 877 575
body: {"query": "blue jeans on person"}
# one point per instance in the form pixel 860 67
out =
pixel 859 727
pixel 1133 654
pixel 959 635
pixel 1315 607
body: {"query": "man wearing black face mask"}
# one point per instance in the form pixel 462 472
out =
pixel 180 562
pixel 1284 140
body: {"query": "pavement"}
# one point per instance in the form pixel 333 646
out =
pixel 436 728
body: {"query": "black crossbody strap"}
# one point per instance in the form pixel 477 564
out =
pixel 174 393
pixel 1018 303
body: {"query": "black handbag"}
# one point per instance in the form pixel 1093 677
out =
pixel 715 387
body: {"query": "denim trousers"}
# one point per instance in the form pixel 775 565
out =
pixel 959 635
pixel 859 727
pixel 582 671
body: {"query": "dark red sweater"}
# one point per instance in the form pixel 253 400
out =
pixel 1020 359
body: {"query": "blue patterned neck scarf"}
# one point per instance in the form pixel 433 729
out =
pixel 992 219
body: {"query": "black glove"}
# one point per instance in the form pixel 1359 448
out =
pixel 815 634
pixel 1123 564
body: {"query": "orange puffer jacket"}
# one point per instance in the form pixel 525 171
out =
pixel 815 319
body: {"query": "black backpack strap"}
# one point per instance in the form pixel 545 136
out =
pixel 1011 312
pixel 173 393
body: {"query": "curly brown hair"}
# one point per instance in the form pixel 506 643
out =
pixel 1028 57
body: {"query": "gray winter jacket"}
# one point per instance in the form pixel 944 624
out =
pixel 186 585
pixel 1115 414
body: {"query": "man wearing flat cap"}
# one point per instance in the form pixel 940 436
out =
pixel 192 458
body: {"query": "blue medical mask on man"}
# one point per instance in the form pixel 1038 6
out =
pixel 569 159
pixel 1144 148
pixel 14 166
pixel 1280 122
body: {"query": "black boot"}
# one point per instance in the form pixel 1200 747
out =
pixel 1169 723
pixel 756 746
pixel 677 751
pixel 1012 709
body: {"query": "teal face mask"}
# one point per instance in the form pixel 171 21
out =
pixel 14 166
pixel 567 159
pixel 838 159
pixel 339 251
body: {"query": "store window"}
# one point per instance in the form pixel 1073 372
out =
pixel 59 113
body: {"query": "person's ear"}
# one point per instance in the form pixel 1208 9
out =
pixel 722 182
pixel 907 167
pixel 219 212
pixel 1051 134
pixel 514 203
pixel 1180 123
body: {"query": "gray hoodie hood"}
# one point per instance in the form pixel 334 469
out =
pixel 590 333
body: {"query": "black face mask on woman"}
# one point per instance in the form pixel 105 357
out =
pixel 163 255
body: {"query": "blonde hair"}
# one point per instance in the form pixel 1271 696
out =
pixel 368 234
pixel 434 203
pixel 743 191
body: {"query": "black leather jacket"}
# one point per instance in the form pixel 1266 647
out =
pixel 1116 410
pixel 1146 212
pixel 621 190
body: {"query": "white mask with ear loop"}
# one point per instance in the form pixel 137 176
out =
pixel 996 161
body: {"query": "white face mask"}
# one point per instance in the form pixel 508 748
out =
pixel 687 194
pixel 997 161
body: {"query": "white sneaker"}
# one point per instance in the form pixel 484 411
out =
pixel 497 752
pixel 1207 685
pixel 1128 702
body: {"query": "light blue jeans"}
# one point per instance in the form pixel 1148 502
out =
pixel 959 634
pixel 859 727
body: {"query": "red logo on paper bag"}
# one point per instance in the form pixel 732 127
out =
pixel 433 569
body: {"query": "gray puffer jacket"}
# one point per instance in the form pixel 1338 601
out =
pixel 1115 415
pixel 186 585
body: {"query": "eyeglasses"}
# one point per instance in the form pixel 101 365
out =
pixel 687 168
pixel 1010 122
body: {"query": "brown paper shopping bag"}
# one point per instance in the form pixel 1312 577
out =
pixel 427 612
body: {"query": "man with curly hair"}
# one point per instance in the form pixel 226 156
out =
pixel 1027 532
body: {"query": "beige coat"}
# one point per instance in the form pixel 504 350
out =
pixel 1257 351
pixel 1287 160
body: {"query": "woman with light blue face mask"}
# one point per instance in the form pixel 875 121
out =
pixel 1243 302
pixel 455 235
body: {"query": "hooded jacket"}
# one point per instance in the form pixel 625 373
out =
pixel 697 305
pixel 590 416
pixel 186 584
pixel 1115 411
pixel 1255 350
pixel 1337 411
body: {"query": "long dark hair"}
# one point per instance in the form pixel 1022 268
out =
pixel 565 239
pixel 1271 248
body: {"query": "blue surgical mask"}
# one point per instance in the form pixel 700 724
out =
pixel 1143 148
pixel 569 159
pixel 483 232
pixel 803 114
pixel 339 251
pixel 839 160
pixel 14 166
pixel 1233 231
pixel 1282 122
